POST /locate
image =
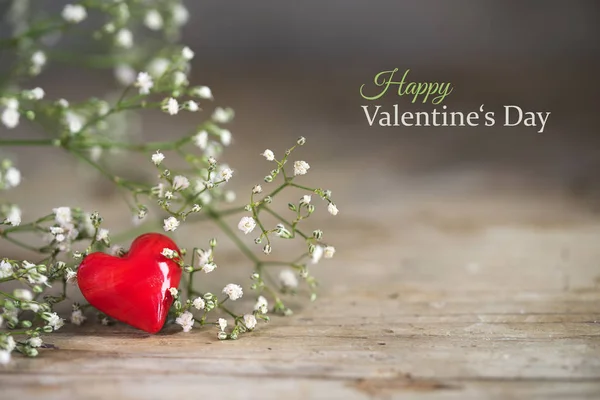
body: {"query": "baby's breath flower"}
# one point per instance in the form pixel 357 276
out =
pixel 186 320
pixel 199 303
pixel 180 182
pixel 288 279
pixel 174 292
pixel 158 67
pixel 157 158
pixel 63 216
pixel 247 225
pixel 262 305
pixel 12 177
pixel 222 324
pixel 191 105
pixel 305 199
pixel 37 93
pixel 124 74
pixel 35 341
pixel 179 78
pixel 201 139
pixel 4 357
pixel 6 269
pixel 23 294
pixel 317 254
pixel 250 321
pixel 171 106
pixel 332 208
pixel 257 189
pixel 71 276
pixel 102 235
pixel 209 267
pixel 225 137
pixel 301 167
pixel 10 117
pixel 170 224
pixel 153 20
pixel 144 82
pixel 187 53
pixel 226 174
pixel 169 253
pixel 230 196
pixel 55 321
pixel 233 291
pixel 74 13
pixel 222 115
pixel 203 92
pixel 124 38
pixel 77 317
pixel 329 251
pixel 203 256
pixel 14 216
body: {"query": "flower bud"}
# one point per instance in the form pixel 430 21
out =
pixel 318 234
pixel 222 335
pixel 268 179
pixel 213 242
pixel 267 249
pixel 301 140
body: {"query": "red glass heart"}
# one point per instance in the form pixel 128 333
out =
pixel 134 288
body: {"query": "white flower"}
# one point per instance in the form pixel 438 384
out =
pixel 77 317
pixel 250 321
pixel 301 167
pixel 171 106
pixel 37 93
pixel 333 210
pixel 186 320
pixel 74 121
pixel 233 291
pixel 169 253
pixel 10 343
pixel 187 53
pixel 203 92
pixel 226 174
pixel 5 269
pixel 225 137
pixel 173 291
pixel 55 321
pixel 4 357
pixel 305 199
pixel 201 139
pixel 222 323
pixel 12 177
pixel 247 225
pixel 14 216
pixel 203 256
pixel 153 20
pixel 221 115
pixel 71 276
pixel 199 303
pixel 288 279
pixel 230 196
pixel 329 251
pixel 179 78
pixel 144 82
pixel 317 254
pixel 23 294
pixel 102 235
pixel 209 267
pixel 170 224
pixel 261 305
pixel 124 38
pixel 157 158
pixel 62 215
pixel 74 13
pixel 180 182
pixel 191 105
pixel 38 59
pixel 257 189
pixel 10 117
pixel 158 67
pixel 180 14
pixel 35 341
pixel 124 74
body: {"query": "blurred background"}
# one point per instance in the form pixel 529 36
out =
pixel 511 200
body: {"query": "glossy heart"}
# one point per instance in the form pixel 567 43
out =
pixel 134 288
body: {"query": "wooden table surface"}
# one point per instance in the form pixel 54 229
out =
pixel 453 297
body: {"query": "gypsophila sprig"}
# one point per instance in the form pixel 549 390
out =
pixel 189 183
